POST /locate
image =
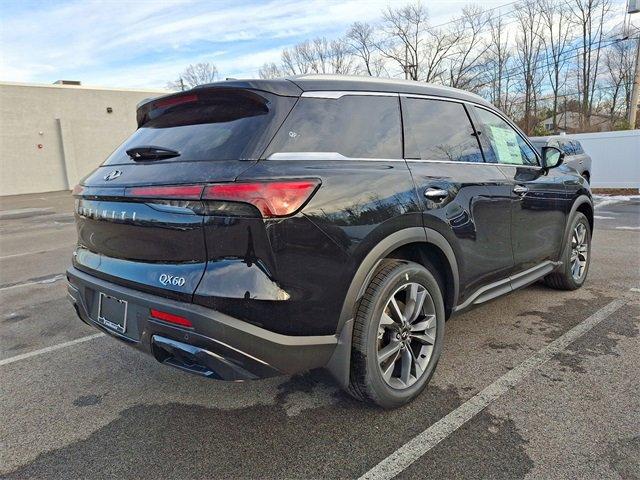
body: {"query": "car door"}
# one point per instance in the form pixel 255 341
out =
pixel 538 196
pixel 464 199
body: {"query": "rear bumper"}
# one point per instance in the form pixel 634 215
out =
pixel 218 346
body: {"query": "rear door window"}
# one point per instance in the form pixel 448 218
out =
pixel 355 126
pixel 220 124
pixel 439 130
pixel 502 143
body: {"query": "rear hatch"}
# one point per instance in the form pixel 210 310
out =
pixel 140 215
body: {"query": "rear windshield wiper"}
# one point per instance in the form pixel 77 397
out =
pixel 149 152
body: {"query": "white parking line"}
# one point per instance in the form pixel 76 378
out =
pixel 42 281
pixel 15 255
pixel 52 348
pixel 432 436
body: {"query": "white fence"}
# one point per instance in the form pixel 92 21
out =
pixel 615 157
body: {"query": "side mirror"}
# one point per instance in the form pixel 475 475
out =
pixel 552 157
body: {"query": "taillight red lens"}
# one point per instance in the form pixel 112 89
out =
pixel 77 190
pixel 181 192
pixel 171 318
pixel 272 199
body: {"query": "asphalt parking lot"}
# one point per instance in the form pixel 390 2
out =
pixel 538 384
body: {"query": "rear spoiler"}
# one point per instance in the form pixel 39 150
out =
pixel 280 87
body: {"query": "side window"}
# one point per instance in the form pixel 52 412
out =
pixel 357 126
pixel 502 143
pixel 577 147
pixel 439 130
pixel 567 147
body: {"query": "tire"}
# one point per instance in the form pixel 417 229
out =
pixel 564 278
pixel 420 348
pixel 585 175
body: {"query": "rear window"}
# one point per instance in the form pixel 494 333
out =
pixel 208 125
pixel 356 126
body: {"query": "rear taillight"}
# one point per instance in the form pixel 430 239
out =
pixel 272 199
pixel 77 190
pixel 171 318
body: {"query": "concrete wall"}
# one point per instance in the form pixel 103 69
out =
pixel 53 135
pixel 615 157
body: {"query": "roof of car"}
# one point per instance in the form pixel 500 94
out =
pixel 551 138
pixel 295 85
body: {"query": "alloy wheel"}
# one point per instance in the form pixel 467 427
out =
pixel 579 251
pixel 406 335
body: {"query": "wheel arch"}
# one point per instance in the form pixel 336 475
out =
pixel 584 205
pixel 415 244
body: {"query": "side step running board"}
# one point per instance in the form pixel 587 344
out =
pixel 509 284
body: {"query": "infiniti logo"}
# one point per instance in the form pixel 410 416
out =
pixel 112 174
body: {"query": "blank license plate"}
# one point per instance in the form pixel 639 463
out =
pixel 112 313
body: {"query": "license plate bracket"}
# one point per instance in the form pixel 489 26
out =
pixel 112 313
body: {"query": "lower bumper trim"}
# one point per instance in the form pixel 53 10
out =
pixel 218 346
pixel 196 360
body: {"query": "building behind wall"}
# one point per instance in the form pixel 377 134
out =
pixel 53 135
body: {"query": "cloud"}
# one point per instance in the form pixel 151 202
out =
pixel 146 43
pixel 80 38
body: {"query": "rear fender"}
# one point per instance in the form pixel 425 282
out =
pixel 339 364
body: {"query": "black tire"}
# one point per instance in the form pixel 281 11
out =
pixel 563 278
pixel 585 175
pixel 366 378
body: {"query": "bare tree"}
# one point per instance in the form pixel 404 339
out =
pixel 405 29
pixel 438 49
pixel 618 66
pixel 589 16
pixel 467 55
pixel 270 70
pixel 340 57
pixel 297 60
pixel 556 40
pixel 528 55
pixel 498 57
pixel 194 75
pixel 361 40
pixel 317 56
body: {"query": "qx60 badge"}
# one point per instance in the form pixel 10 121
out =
pixel 166 279
pixel 112 175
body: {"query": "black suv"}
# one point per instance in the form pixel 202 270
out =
pixel 263 227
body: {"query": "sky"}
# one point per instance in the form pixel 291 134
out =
pixel 146 43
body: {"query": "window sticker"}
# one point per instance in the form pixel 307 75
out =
pixel 505 144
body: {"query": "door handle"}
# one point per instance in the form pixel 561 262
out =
pixel 520 189
pixel 436 194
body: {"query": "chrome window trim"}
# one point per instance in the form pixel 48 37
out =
pixel 335 94
pixel 436 97
pixel 335 156
pixel 491 164
pixel 326 156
